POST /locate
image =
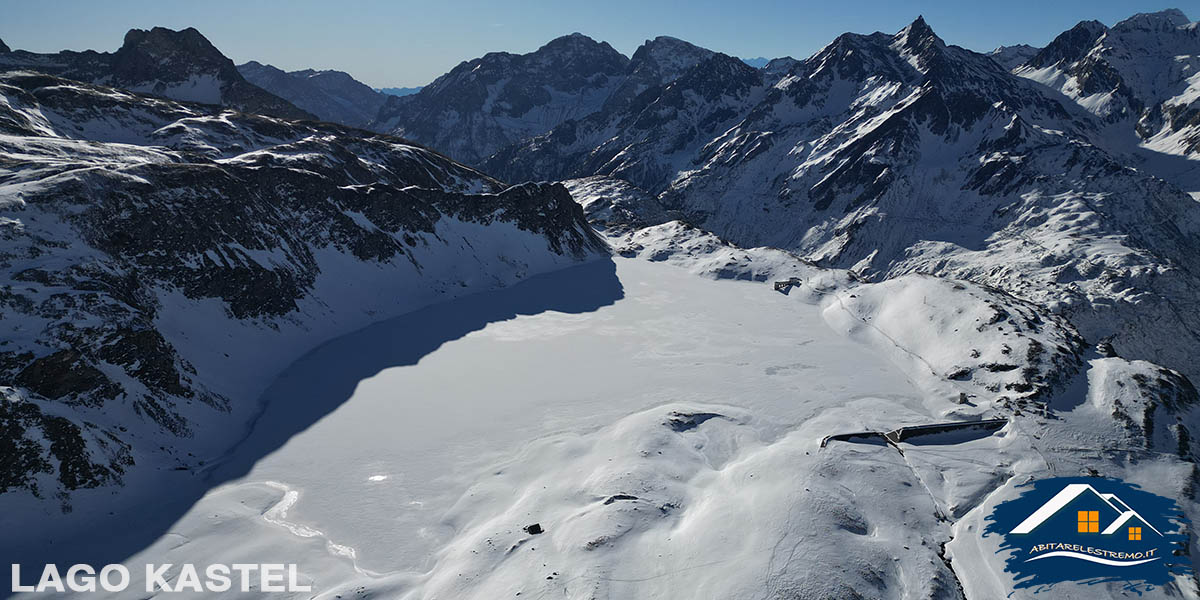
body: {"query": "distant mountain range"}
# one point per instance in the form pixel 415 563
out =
pixel 332 96
pixel 399 91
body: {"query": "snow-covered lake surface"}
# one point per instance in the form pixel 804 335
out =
pixel 369 485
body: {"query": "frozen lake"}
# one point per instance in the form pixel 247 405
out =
pixel 367 485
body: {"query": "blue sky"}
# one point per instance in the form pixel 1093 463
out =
pixel 408 43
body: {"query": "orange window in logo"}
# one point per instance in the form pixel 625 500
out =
pixel 1135 533
pixel 1089 521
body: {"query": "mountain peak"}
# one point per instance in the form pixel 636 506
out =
pixel 665 58
pixel 161 36
pixel 572 39
pixel 1070 45
pixel 1169 18
pixel 578 51
pixel 4 47
pixel 918 37
pixel 665 46
pixel 146 53
pixel 918 43
pixel 1010 57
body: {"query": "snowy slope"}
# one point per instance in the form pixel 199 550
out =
pixel 1140 78
pixel 700 470
pixel 162 261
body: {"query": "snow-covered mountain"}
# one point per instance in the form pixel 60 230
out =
pixel 492 102
pixel 894 154
pixel 810 260
pixel 1010 57
pixel 163 260
pixel 181 65
pixel 330 95
pixel 1141 75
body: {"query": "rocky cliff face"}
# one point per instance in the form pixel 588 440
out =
pixel 485 104
pixel 162 260
pixel 496 102
pixel 180 65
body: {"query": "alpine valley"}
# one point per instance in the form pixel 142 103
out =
pixel 579 324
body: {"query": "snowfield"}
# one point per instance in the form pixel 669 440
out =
pixel 665 430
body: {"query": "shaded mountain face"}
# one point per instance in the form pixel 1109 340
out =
pixel 332 96
pixel 895 154
pixel 1010 57
pixel 490 102
pixel 1141 74
pixel 165 260
pixel 180 65
pixel 495 101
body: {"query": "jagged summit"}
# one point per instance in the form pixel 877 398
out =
pixel 1070 45
pixel 166 55
pixel 4 47
pixel 918 35
pixel 919 44
pixel 660 60
pixel 665 48
pixel 189 38
pixel 489 102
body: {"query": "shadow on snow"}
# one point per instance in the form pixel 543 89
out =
pixel 311 388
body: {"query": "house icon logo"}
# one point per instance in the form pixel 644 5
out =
pixel 1091 530
pixel 1095 513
